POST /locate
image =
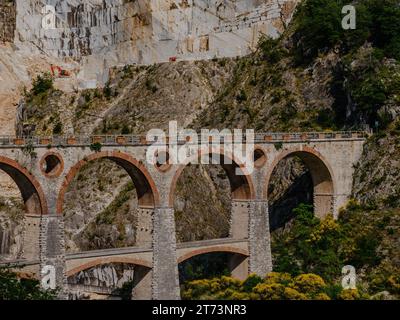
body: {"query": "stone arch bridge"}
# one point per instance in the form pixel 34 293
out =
pixel 43 168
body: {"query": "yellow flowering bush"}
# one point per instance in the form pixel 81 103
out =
pixel 275 286
pixel 278 277
pixel 309 283
pixel 350 294
pixel 293 294
pixel 326 226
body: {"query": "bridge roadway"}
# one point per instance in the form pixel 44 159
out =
pixel 141 256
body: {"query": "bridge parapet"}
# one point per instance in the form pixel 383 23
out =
pixel 140 140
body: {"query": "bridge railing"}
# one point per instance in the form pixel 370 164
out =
pixel 137 140
pixel 306 136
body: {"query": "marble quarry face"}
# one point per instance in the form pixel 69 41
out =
pixel 103 33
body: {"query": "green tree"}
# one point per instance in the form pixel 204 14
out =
pixel 13 287
pixel 42 84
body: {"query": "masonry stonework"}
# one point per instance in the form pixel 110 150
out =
pixel 31 234
pixel 330 158
pixel 144 227
pixel 259 239
pixel 165 268
pixel 239 219
pixel 52 249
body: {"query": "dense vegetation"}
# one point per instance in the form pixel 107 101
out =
pixel 373 81
pixel 362 238
pixel 319 29
pixel 309 256
pixel 275 286
pixel 15 287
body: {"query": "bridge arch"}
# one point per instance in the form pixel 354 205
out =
pixel 323 179
pixel 215 249
pixel 235 259
pixel 31 191
pixel 102 261
pixel 242 187
pixel 146 189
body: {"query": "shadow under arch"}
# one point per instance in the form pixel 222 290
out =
pixel 324 185
pixel 242 187
pixel 218 249
pixel 147 192
pixel 213 262
pixel 31 191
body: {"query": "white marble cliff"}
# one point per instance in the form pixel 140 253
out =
pixel 104 33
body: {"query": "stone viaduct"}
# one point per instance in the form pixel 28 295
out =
pixel 43 168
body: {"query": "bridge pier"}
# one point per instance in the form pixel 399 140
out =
pixel 260 260
pixel 165 284
pixel 31 236
pixel 323 204
pixel 239 266
pixel 239 223
pixel 52 249
pixel 144 227
pixel 239 229
pixel 142 279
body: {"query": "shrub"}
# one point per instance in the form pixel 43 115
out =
pixel 96 147
pixel 242 96
pixel 42 84
pixel 107 91
pixel 57 128
pixel 271 50
pixel 309 283
pixel 13 287
pixel 251 282
pixel 126 129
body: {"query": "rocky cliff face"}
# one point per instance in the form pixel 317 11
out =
pixel 100 207
pixel 106 279
pixel 11 228
pixel 102 33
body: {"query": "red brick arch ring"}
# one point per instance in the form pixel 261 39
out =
pixel 228 249
pixel 102 261
pixel 242 186
pixel 146 189
pixel 31 191
pixel 320 170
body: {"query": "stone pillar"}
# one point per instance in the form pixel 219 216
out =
pixel 144 227
pixel 259 238
pixel 142 279
pixel 52 249
pixel 323 204
pixel 31 237
pixel 239 223
pixel 165 285
pixel 239 266
pixel 339 201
